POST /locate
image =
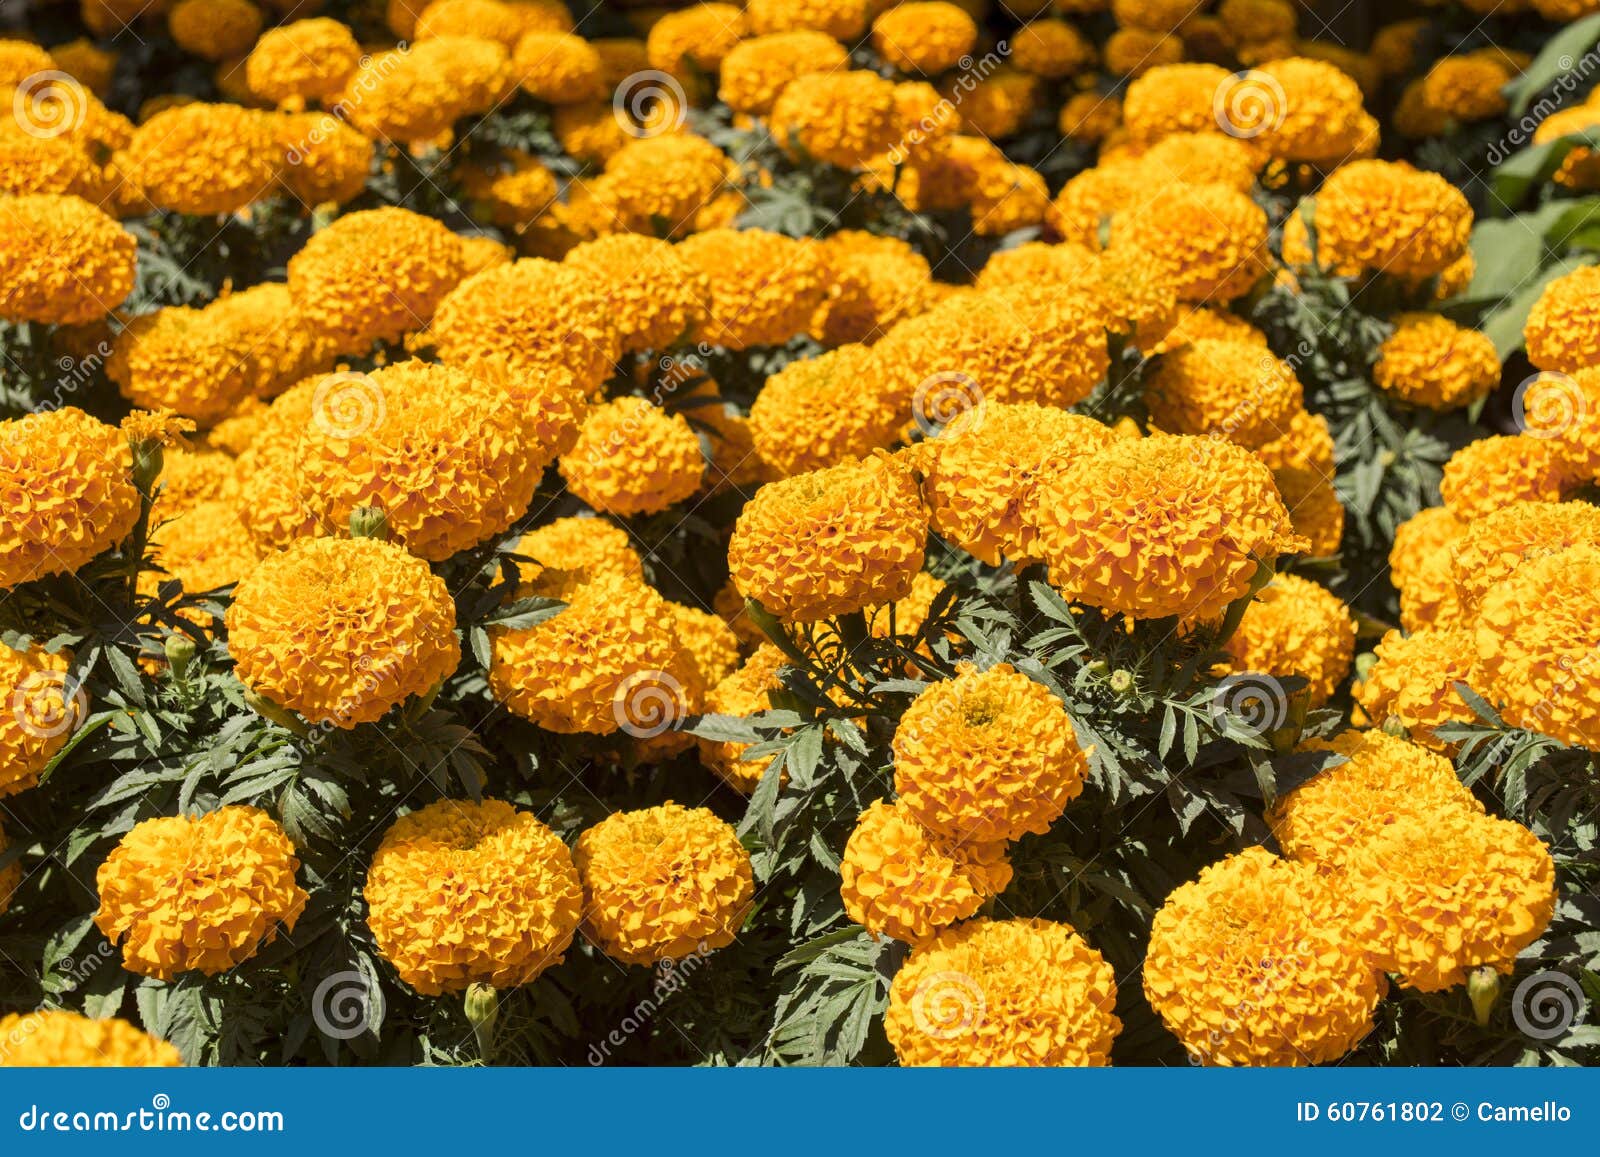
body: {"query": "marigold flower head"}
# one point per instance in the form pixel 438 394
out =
pixel 745 692
pixel 573 672
pixel 844 20
pixel 831 541
pixel 989 755
pixel 196 362
pixel 1172 98
pixel 1382 780
pixel 632 457
pixel 655 297
pixel 1090 116
pixel 1161 526
pixel 899 879
pixel 1296 627
pixel 57 1038
pixel 204 159
pixel 621 57
pixel 1319 120
pixel 843 118
pixel 44 705
pixel 214 29
pixel 1437 896
pixel 980 473
pixel 659 184
pixel 461 893
pixel 414 96
pixel 341 630
pixel 20 60
pixel 1489 473
pixel 755 71
pixel 1090 199
pixel 62 261
pixel 323 159
pixel 198 893
pixel 1492 548
pixel 1195 323
pixel 1250 964
pixel 877 281
pixel 586 546
pixel 558 68
pixel 513 192
pixel 662 883
pixel 1003 993
pixel 1562 332
pixel 1050 48
pixel 1136 51
pixel 1467 87
pixel 1006 197
pixel 998 105
pixel 30 164
pixel 1413 682
pixel 764 286
pixel 709 644
pixel 1202 159
pixel 589 130
pixel 1229 389
pixel 1386 217
pixel 205 546
pixel 80 497
pixel 1431 361
pixel 1211 239
pixel 812 414
pixel 1137 295
pixel 926 36
pixel 1064 263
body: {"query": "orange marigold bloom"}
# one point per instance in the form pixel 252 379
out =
pixel 586 546
pixel 558 68
pixel 694 39
pixel 1493 547
pixel 1173 98
pixel 1467 87
pixel 1413 682
pixel 414 96
pixel 1212 240
pixel 56 1038
pixel 1431 361
pixel 745 692
pixel 1136 51
pixel 1319 120
pixel 204 158
pixel 632 457
pixel 654 297
pixel 198 893
pixel 1296 627
pixel 764 286
pixel 214 29
pixel 926 36
pixel 842 118
pixel 323 159
pixel 62 261
pixel 1229 389
pixel 877 281
pixel 45 705
pixel 1386 217
pixel 755 71
pixel 811 413
pixel 1563 328
pixel 1202 159
pixel 205 546
pixel 844 20
pixel 1420 568
pixel 1051 49
pixel 461 893
pixel 490 19
pixel 659 185
pixel 1492 472
pixel 1090 199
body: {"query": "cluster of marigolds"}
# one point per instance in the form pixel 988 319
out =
pixel 321 490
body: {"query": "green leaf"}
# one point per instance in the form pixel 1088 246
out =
pixel 1555 60
pixel 1519 174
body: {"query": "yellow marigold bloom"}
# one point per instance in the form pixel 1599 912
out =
pixel 710 646
pixel 621 57
pixel 1010 993
pixel 20 60
pixel 62 261
pixel 587 546
pixel 1394 46
pixel 745 692
pixel 877 281
pixel 755 71
pixel 1440 895
pixel 1212 240
pixel 589 130
pixel 197 362
pixel 1382 781
pixel 1229 389
pixel 1093 197
pixel 558 68
pixel 1386 217
pixel 461 892
pixel 1195 323
pixel 1485 475
pixel 1033 262
pixel 539 317
pixel 1090 116
pixel 30 164
pixel 844 20
pixel 1161 526
pixel 1420 568
pixel 842 118
pixel 632 457
pixel 659 183
pixel 1202 159
pixel 214 29
pixel 989 755
pixel 1563 328
pixel 1251 964
pixel 1007 197
pixel 979 474
pixel 489 19
pixel 1320 119
pixel 56 1038
pixel 764 286
pixel 926 36
pixel 899 879
pixel 205 546
pixel 341 630
pixel 811 413
pixel 323 159
pixel 1414 682
pixel 1136 293
pixel 1314 509
pixel 204 158
pixel 198 893
pixel 662 883
pixel 74 497
pixel 1536 632
pixel 695 39
pixel 375 275
pixel 1050 48
pixel 1296 627
pixel 573 672
pixel 998 105
pixel 512 192
pixel 1432 362
pixel 45 705
pixel 415 96
pixel 655 298
pixel 1173 98
pixel 1495 546
pixel 1467 87
pixel 1151 15
pixel 832 541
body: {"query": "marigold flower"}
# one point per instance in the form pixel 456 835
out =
pixel 214 29
pixel 989 755
pixel 198 893
pixel 1006 197
pixel 56 1038
pixel 341 630
pixel 1386 217
pixel 1250 964
pixel 842 118
pixel 926 36
pixel 877 281
pixel 844 20
pixel 980 473
pixel 205 546
pixel 30 164
pixel 811 414
pixel 1420 568
pixel 1136 51
pixel 1172 98
pixel 1562 332
pixel 1202 159
pixel 589 130
pixel 573 672
pixel 1195 323
pixel 898 879
pixel 1296 627
pixel 1161 526
pixel 1485 475
pixel 45 704
pixel 1413 682
pixel 1319 120
pixel 1430 361
pixel 764 286
pixel 1090 199
pixel 204 159
pixel 659 184
pixel 832 541
pixel 62 261
pixel 323 159
pixel 1090 116
pixel 1467 87
pixel 489 19
pixel 1382 781
pixel 1003 993
pixel 558 68
pixel 537 316
pixel 512 193
pixel 584 546
pixel 1065 263
pixel 1437 896
pixel 755 71
pixel 1211 239
pixel 632 457
pixel 415 96
pixel 710 646
pixel 655 297
pixel 1050 48
pixel 80 497
pixel 1492 548
pixel 20 60
pixel 1229 389
pixel 662 883
pixel 461 893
